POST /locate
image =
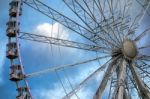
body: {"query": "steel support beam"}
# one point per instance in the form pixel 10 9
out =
pixel 142 34
pixel 143 90
pixel 61 42
pixel 55 68
pixel 92 75
pixel 121 81
pixel 105 79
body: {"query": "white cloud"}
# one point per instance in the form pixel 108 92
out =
pixel 52 30
pixel 55 30
pixel 57 93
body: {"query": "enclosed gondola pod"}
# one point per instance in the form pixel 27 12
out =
pixel 14 7
pixel 16 73
pixel 11 28
pixel 11 52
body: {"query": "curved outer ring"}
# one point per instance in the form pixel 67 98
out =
pixel 18 46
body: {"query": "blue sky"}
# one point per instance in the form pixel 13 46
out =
pixel 37 56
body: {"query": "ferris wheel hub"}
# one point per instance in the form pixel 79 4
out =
pixel 129 49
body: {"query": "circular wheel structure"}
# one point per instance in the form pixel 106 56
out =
pixel 109 29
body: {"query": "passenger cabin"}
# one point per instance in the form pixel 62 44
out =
pixel 11 52
pixel 11 28
pixel 14 8
pixel 16 73
pixel 23 93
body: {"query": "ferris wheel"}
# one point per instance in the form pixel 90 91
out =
pixel 110 29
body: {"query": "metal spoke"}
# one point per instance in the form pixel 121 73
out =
pixel 142 6
pixel 107 24
pixel 53 68
pixel 110 89
pixel 92 75
pixel 144 63
pixel 144 92
pixel 146 72
pixel 70 83
pixel 133 82
pixel 88 8
pixel 105 79
pixel 111 11
pixel 114 93
pixel 144 47
pixel 121 81
pixel 125 17
pixel 78 10
pixel 59 78
pixel 128 83
pixel 127 93
pixel 142 35
pixel 138 18
pixel 61 42
pixel 143 57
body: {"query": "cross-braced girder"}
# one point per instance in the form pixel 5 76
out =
pixel 61 42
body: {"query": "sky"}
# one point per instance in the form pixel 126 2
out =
pixel 37 56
